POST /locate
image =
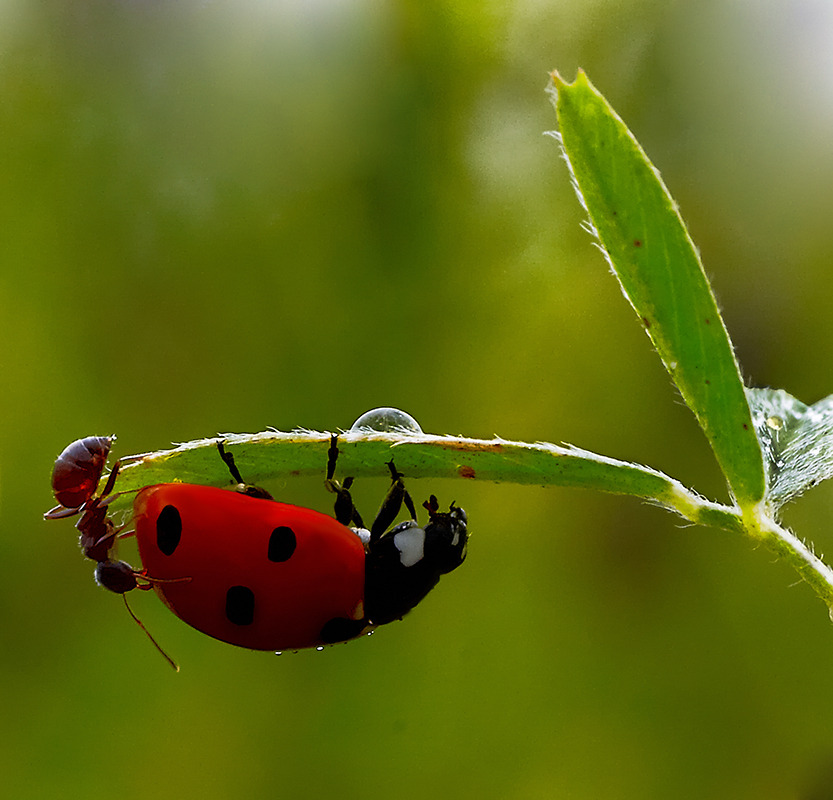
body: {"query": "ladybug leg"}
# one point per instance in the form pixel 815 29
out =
pixel 244 488
pixel 345 510
pixel 392 504
pixel 228 458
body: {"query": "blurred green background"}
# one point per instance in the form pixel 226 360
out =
pixel 224 216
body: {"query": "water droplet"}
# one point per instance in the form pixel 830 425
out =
pixel 386 419
pixel 278 652
pixel 319 648
pixel 774 423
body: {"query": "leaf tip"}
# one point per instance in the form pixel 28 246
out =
pixel 557 80
pixel 558 86
pixel 559 83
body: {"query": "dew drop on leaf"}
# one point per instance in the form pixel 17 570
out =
pixel 386 420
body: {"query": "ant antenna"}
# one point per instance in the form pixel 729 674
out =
pixel 147 633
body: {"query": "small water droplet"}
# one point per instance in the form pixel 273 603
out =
pixel 278 652
pixel 386 419
pixel 775 423
pixel 319 648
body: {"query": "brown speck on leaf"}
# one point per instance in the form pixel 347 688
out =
pixel 466 472
pixel 646 322
pixel 637 243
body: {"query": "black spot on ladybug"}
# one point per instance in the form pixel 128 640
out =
pixel 240 605
pixel 340 629
pixel 282 544
pixel 168 530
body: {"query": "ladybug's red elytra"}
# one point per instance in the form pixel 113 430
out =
pixel 257 573
pixel 272 576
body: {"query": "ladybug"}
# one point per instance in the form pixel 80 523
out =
pixel 257 573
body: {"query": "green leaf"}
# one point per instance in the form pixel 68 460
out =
pixel 273 454
pixel 643 236
pixel 797 441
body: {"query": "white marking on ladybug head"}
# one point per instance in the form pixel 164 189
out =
pixel 363 534
pixel 411 545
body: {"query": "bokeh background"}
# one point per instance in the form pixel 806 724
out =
pixel 221 216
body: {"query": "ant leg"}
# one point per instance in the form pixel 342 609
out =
pixel 345 510
pixel 392 504
pixel 111 479
pixel 62 512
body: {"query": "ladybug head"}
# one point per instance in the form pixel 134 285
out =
pixel 406 563
pixel 446 537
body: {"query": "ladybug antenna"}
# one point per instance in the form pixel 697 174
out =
pixel 148 634
pixel 432 505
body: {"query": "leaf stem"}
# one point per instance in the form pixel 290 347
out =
pixel 798 554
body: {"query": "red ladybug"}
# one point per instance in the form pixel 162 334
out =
pixel 265 575
pixel 256 573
